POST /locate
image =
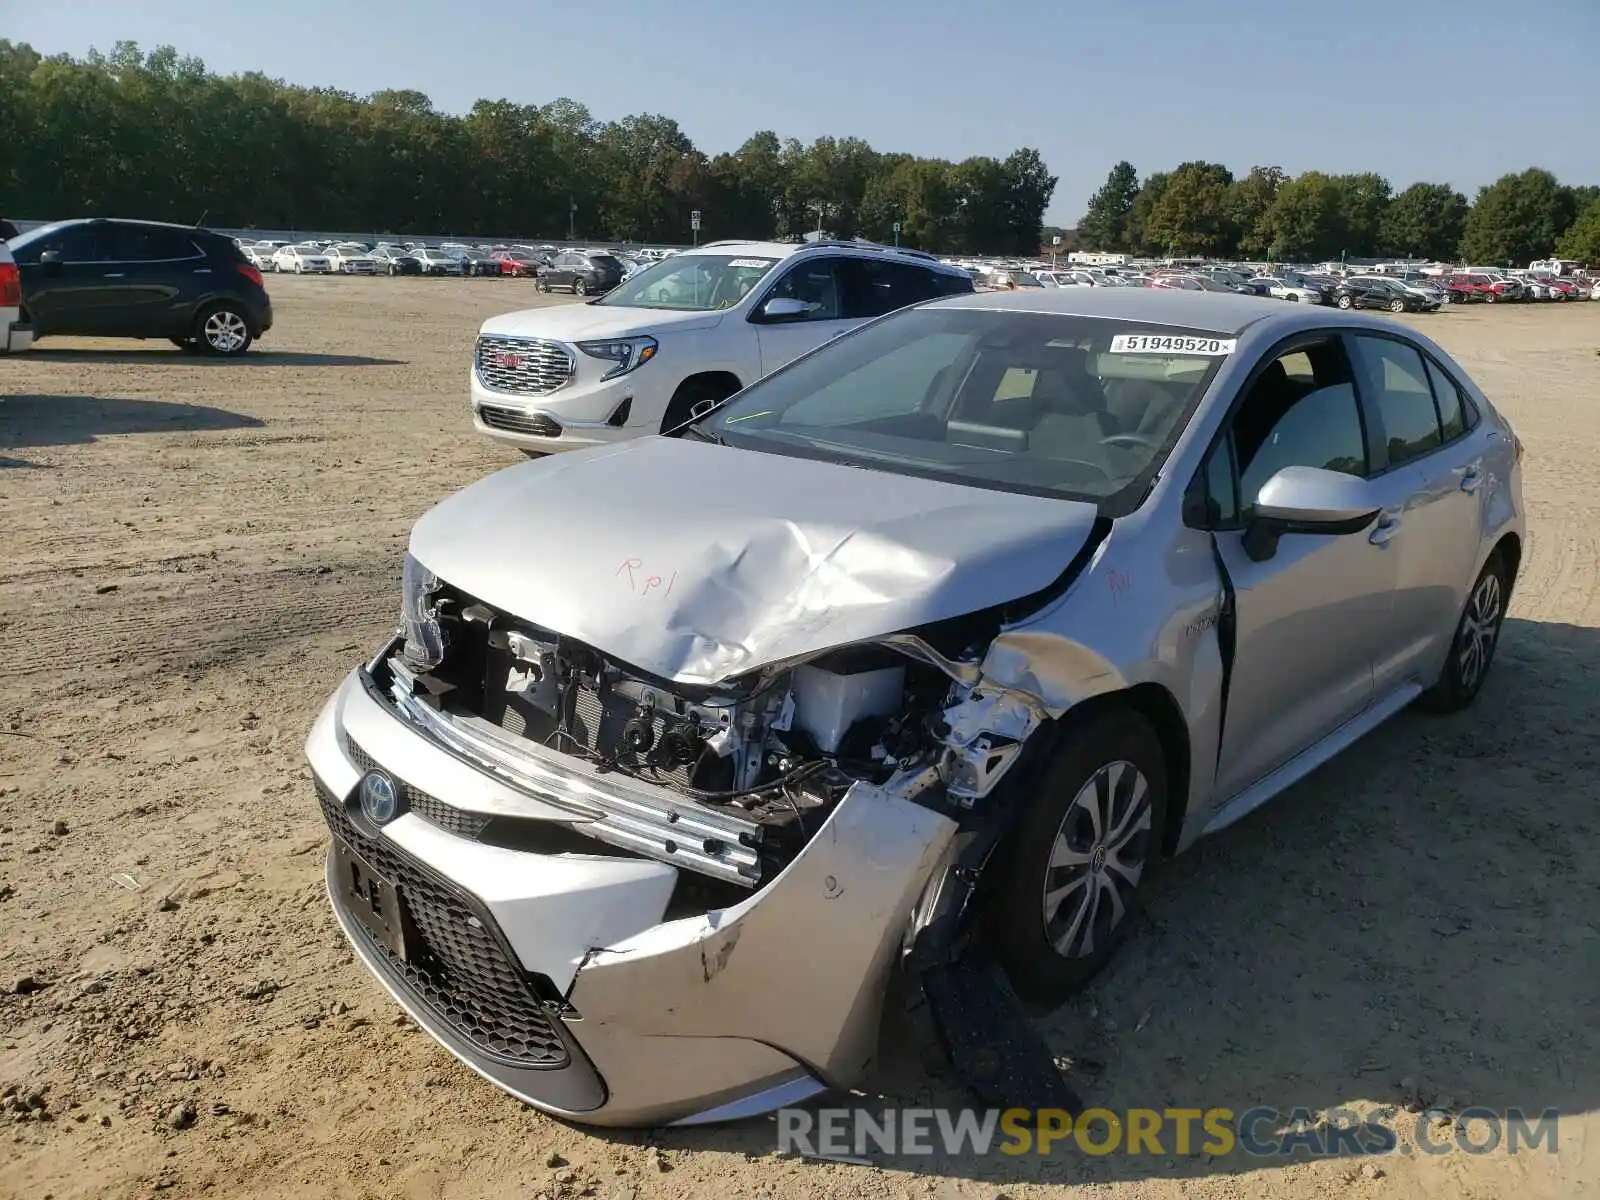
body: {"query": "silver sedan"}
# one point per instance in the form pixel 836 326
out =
pixel 921 653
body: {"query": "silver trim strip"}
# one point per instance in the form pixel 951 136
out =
pixel 779 1095
pixel 613 808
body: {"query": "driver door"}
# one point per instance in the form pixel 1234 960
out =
pixel 1313 619
pixel 818 283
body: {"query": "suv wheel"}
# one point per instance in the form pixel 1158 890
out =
pixel 579 288
pixel 690 393
pixel 1068 875
pixel 1344 301
pixel 1477 636
pixel 222 329
pixel 1397 306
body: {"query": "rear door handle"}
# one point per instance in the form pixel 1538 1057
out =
pixel 1470 479
pixel 114 275
pixel 202 270
pixel 1388 525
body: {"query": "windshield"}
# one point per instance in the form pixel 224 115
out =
pixel 1076 407
pixel 692 282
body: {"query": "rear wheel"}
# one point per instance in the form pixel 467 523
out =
pixel 1490 297
pixel 1067 877
pixel 221 329
pixel 1477 636
pixel 1397 306
pixel 1344 301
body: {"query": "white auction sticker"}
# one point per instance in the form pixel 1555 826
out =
pixel 1161 343
pixel 760 264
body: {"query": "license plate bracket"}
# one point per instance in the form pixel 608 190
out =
pixel 371 898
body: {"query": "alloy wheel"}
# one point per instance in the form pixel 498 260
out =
pixel 1097 860
pixel 225 331
pixel 1480 627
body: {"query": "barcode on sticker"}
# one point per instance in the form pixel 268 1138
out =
pixel 1161 343
pixel 760 264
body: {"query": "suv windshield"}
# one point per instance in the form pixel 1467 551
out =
pixel 692 282
pixel 1083 408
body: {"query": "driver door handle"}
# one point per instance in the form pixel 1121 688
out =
pixel 1470 479
pixel 1388 525
pixel 114 275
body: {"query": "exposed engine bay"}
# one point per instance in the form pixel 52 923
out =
pixel 779 748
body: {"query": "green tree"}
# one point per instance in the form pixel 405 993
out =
pixel 1425 221
pixel 1307 218
pixel 1250 202
pixel 1137 235
pixel 1194 214
pixel 1517 219
pixel 1105 225
pixel 1363 202
pixel 1582 240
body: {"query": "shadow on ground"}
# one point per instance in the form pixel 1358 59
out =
pixel 172 356
pixel 1415 925
pixel 27 421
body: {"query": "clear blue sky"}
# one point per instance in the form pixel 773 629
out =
pixel 1458 91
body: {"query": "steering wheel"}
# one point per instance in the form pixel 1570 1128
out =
pixel 1131 440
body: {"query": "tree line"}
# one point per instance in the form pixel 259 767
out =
pixel 159 136
pixel 1199 208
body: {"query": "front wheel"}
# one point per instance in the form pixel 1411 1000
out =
pixel 1397 306
pixel 1067 878
pixel 223 330
pixel 1477 635
pixel 1489 297
pixel 1344 301
pixel 579 288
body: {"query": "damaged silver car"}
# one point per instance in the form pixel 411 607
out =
pixel 909 662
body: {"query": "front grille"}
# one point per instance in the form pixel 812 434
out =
pixel 523 366
pixel 430 808
pixel 514 420
pixel 458 967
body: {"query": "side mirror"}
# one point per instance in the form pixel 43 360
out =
pixel 782 308
pixel 50 259
pixel 1307 500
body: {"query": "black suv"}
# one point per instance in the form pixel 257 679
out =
pixel 141 279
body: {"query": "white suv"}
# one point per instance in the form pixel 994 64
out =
pixel 15 334
pixel 690 329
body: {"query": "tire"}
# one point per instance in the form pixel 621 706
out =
pixel 1476 638
pixel 222 329
pixel 539 285
pixel 690 393
pixel 1064 894
pixel 1345 302
pixel 1489 297
pixel 1397 306
pixel 579 288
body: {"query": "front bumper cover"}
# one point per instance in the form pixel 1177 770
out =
pixel 713 1016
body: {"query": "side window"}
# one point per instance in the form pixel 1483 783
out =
pixel 81 244
pixel 1296 421
pixel 1402 396
pixel 816 282
pixel 875 288
pixel 134 243
pixel 1453 419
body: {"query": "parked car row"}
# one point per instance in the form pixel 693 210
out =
pixel 585 272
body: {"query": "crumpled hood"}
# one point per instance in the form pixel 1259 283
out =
pixel 697 562
pixel 566 322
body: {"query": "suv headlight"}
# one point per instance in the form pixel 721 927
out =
pixel 628 353
pixel 424 648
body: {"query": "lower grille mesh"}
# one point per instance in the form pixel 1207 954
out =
pixel 430 808
pixel 458 968
pixel 516 421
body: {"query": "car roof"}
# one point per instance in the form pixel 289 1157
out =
pixel 1218 312
pixel 783 250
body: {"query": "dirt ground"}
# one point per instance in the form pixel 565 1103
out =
pixel 192 553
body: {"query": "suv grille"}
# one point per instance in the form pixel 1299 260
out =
pixel 514 420
pixel 458 967
pixel 523 366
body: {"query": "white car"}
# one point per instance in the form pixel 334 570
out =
pixel 300 261
pixel 683 333
pixel 437 262
pixel 15 334
pixel 1282 289
pixel 351 260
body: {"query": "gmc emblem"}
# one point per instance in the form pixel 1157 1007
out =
pixel 509 361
